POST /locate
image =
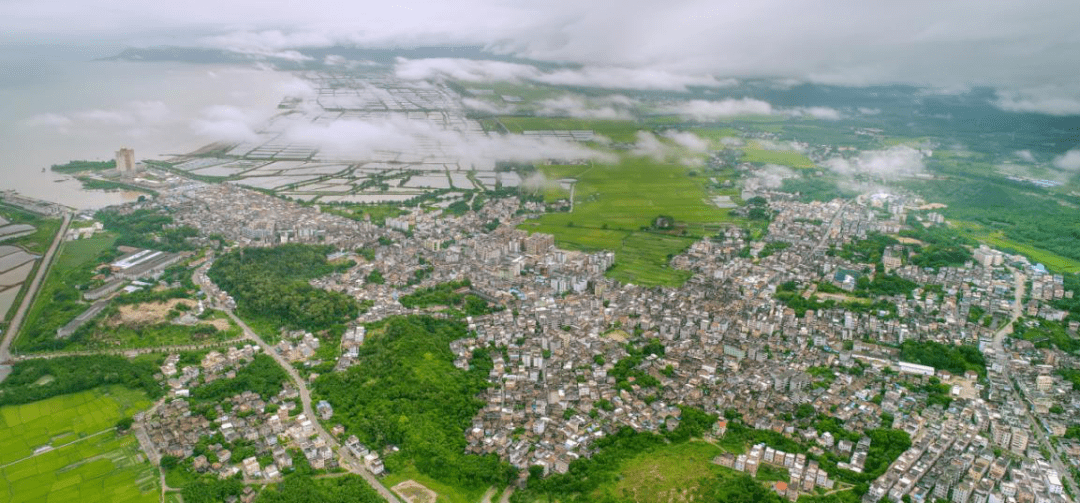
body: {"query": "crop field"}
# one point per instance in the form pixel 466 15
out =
pixel 84 459
pixel 102 468
pixel 63 418
pixel 614 202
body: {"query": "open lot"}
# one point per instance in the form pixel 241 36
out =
pixel 672 473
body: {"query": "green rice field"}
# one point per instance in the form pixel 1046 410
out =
pixel 63 418
pixel 79 456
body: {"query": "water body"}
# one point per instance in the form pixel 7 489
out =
pixel 60 104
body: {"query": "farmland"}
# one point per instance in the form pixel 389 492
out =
pixel 754 152
pixel 613 203
pixel 79 455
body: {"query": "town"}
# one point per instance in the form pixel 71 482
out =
pixel 785 333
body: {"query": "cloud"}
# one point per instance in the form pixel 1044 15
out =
pixel 1070 161
pixel 571 105
pixel 1025 155
pixel 488 106
pixel 1049 101
pixel 359 139
pixel 50 120
pixel 704 110
pixel 468 70
pixel 649 145
pixel 630 78
pixel 688 140
pixel 825 113
pixel 607 77
pixel 227 123
pixel 893 162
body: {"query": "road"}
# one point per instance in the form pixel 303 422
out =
pixel 132 352
pixel 1003 359
pixel 346 460
pixel 28 299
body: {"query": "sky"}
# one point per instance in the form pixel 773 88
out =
pixel 1028 51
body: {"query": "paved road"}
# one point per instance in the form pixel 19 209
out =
pixel 132 351
pixel 43 269
pixel 346 460
pixel 1033 423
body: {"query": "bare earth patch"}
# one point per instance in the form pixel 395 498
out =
pixel 151 312
pixel 413 492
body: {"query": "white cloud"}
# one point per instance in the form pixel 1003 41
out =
pixel 357 139
pixel 1025 155
pixel 825 113
pixel 890 163
pixel 608 77
pixel 227 123
pixel 49 120
pixel 487 106
pixel 571 105
pixel 1050 101
pixel 467 70
pixel 630 78
pixel 704 110
pixel 688 140
pixel 1070 161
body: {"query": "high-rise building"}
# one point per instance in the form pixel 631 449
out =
pixel 125 160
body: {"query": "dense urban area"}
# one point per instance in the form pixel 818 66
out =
pixel 276 325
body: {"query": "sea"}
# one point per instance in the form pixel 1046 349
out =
pixel 65 102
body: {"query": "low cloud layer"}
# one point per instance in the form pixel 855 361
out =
pixel 471 70
pixel 706 110
pixel 570 105
pixel 1070 161
pixel 360 139
pixel 1024 48
pixel 891 163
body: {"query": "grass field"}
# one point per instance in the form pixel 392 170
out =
pixel 78 252
pixel 753 152
pixel 98 466
pixel 997 239
pixel 64 418
pixel 669 474
pixel 614 202
pixel 447 494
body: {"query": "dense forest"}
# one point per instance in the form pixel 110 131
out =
pixel 297 488
pixel 955 359
pixel 445 294
pixel 147 229
pixel 406 391
pixel 72 374
pixel 271 285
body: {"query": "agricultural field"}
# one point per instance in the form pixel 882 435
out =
pixel 79 456
pixel 103 468
pixel 58 420
pixel 612 205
